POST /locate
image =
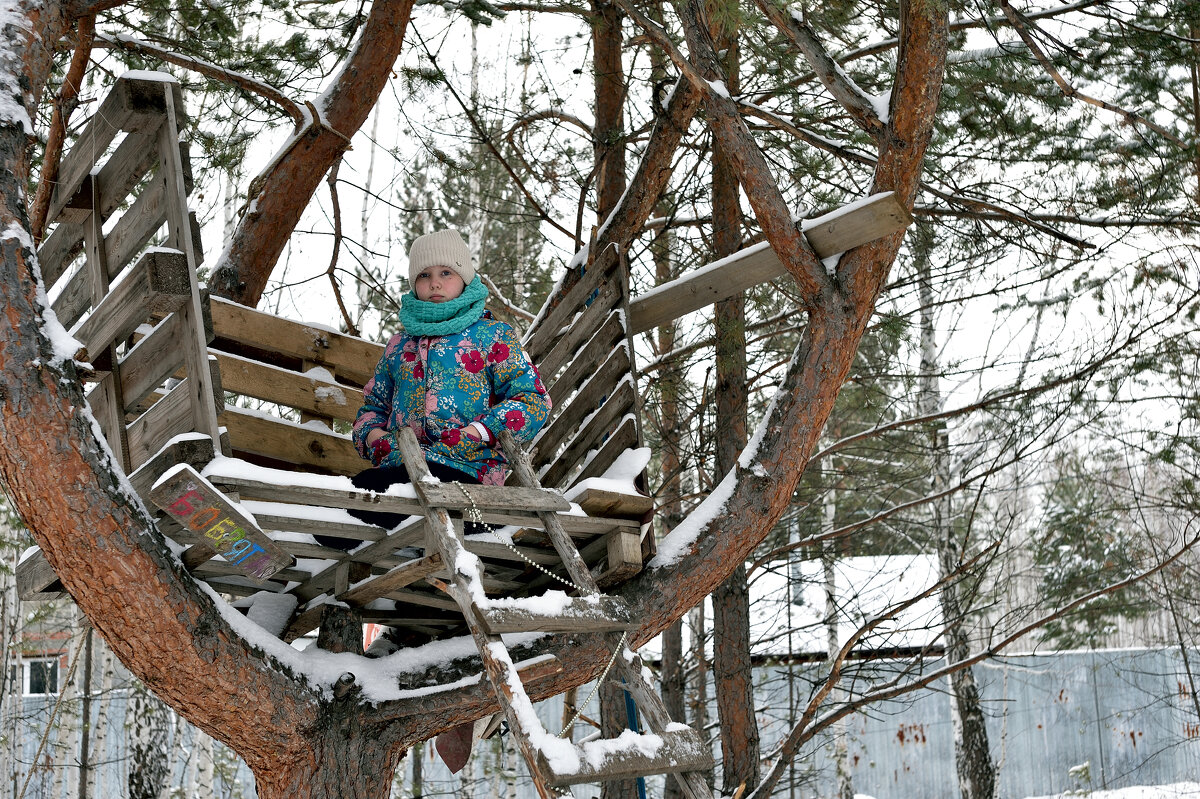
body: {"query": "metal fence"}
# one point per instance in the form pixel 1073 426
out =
pixel 1056 722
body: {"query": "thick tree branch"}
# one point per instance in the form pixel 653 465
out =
pixel 281 192
pixel 64 104
pixel 859 104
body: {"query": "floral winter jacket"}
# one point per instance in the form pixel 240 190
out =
pixel 439 384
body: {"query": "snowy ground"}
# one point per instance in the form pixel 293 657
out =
pixel 1179 790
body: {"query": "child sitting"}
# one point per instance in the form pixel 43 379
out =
pixel 455 376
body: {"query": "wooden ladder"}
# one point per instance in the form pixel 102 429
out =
pixel 553 762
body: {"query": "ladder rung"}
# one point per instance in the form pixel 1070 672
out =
pixel 543 614
pixel 630 755
pixel 489 497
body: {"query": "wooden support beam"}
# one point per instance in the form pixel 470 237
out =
pixel 833 233
pixel 595 614
pixel 679 749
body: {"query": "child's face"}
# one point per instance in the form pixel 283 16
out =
pixel 438 284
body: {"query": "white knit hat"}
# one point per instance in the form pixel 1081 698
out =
pixel 443 248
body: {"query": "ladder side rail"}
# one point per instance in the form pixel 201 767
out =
pixel 203 404
pixel 465 576
pixel 574 563
pixel 651 704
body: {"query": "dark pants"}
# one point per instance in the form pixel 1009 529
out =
pixel 379 479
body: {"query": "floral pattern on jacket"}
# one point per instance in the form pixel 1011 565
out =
pixel 439 384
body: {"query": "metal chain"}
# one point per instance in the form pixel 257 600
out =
pixel 579 711
pixel 474 514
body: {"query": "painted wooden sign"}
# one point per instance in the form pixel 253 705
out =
pixel 200 507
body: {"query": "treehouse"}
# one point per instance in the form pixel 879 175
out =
pixel 231 425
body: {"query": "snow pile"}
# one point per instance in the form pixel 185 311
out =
pixel 598 751
pixel 1178 790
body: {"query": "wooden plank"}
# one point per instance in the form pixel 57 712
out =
pixel 351 358
pixel 488 497
pixel 625 437
pixel 602 502
pixel 138 225
pixel 587 359
pixel 591 435
pixel 74 299
pixel 157 284
pixel 835 232
pixel 197 504
pixel 602 383
pixel 133 105
pixel 307 393
pixel 675 750
pixel 588 322
pixel 314 495
pixel 37 580
pixel 539 339
pixel 351 530
pixel 169 417
pixel 196 450
pixel 129 235
pixel 152 360
pixel 290 442
pixel 593 614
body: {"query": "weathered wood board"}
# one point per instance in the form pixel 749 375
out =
pixel 198 505
pixel 835 232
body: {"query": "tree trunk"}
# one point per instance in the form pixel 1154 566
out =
pixel 973 759
pixel 732 669
pixel 829 558
pixel 608 134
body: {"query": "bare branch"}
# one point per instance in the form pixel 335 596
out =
pixel 245 82
pixel 337 246
pixel 487 141
pixel 858 104
pixel 1023 29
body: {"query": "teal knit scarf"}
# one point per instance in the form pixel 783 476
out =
pixel 422 318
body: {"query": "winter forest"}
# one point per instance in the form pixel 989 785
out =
pixel 912 501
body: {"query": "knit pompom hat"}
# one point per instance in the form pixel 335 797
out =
pixel 443 248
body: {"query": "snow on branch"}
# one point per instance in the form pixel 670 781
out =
pixel 208 69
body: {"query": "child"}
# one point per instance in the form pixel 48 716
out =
pixel 455 375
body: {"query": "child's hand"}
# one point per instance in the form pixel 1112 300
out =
pixel 469 432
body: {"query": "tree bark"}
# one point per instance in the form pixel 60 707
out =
pixel 732 670
pixel 608 134
pixel 281 192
